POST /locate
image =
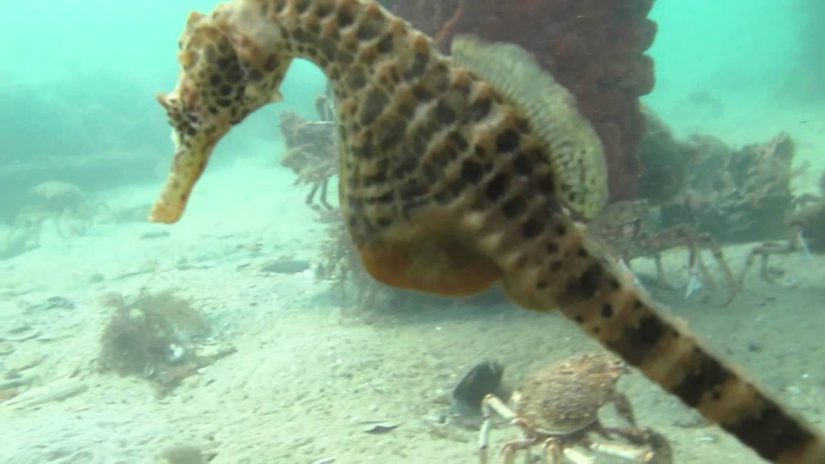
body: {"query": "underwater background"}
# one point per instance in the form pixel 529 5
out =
pixel 249 333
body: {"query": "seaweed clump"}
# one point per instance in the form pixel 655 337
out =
pixel 153 337
pixel 342 267
pixel 735 195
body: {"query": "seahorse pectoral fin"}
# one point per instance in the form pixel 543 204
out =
pixel 438 265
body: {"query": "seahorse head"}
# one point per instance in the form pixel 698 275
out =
pixel 227 73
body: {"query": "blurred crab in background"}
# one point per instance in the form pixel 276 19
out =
pixel 66 205
pixel 312 151
pixel 806 233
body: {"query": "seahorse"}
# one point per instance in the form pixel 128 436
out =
pixel 454 179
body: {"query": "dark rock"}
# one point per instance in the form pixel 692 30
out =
pixel 484 378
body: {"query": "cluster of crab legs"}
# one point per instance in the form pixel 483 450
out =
pixel 624 227
pixel 806 235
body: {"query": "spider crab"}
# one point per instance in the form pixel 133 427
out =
pixel 628 229
pixel 558 407
pixel 806 234
pixel 70 209
pixel 312 151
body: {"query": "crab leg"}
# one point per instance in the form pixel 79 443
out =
pixel 577 457
pixel 695 283
pixel 489 405
pixel 621 450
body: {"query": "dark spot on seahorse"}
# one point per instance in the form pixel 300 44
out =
pixel 480 108
pixel 450 191
pixel 313 26
pixel 300 5
pixel 368 30
pixel 532 227
pixel 344 18
pixel 301 37
pixel 419 65
pixel 254 75
pixel 328 48
pixel 390 134
pixel 507 141
pixel 379 178
pixel 439 79
pixel 585 285
pixel 344 58
pixel 422 94
pixel 432 172
pixel 373 106
pixel 561 230
pixel 471 170
pixel 443 155
pixel 458 140
pixel 456 187
pixel 363 152
pixel 386 45
pixel 384 221
pixel 444 114
pixel 514 207
pixel 546 184
pixel 708 374
pixel 355 78
pixel 224 90
pixel 383 198
pixel 234 74
pixel 636 342
pixel 413 189
pixel 271 63
pixel 496 187
pixel 607 311
pixel 771 432
pixel 522 124
pixel 522 166
pixel 324 8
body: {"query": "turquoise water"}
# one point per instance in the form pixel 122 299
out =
pixel 294 371
pixel 80 64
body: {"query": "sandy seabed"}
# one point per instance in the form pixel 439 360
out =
pixel 311 371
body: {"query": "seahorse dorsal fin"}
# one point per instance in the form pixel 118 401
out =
pixel 577 155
